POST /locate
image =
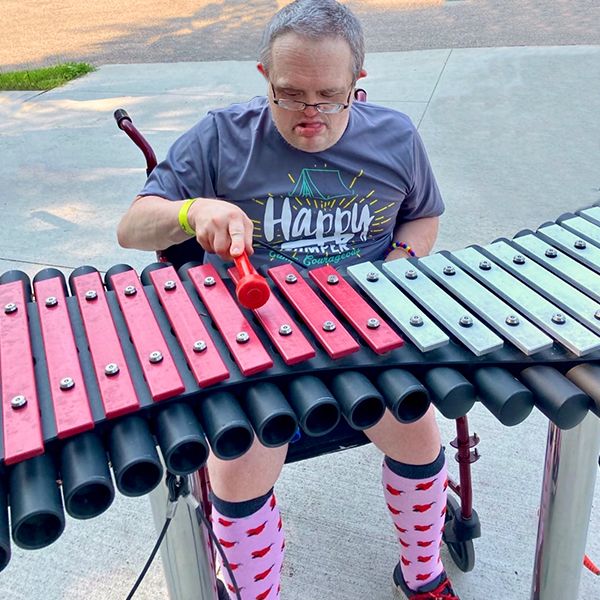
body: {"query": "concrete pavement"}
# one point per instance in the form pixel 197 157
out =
pixel 514 139
pixel 101 32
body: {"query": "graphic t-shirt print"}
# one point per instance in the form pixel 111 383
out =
pixel 325 217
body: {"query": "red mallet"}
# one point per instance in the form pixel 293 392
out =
pixel 252 290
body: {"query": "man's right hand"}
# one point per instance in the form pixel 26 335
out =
pixel 221 227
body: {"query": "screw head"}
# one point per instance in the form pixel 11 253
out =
pixel 485 265
pixel 242 337
pixel 209 281
pixel 91 295
pixel 285 329
pixel 519 259
pixel 18 401
pixel 290 278
pixel 551 253
pixel 333 279
pixel 465 321
pixel 199 346
pixel 9 308
pixel 373 323
pixel 558 318
pixel 372 277
pixel 411 274
pixel 512 320
pixel 111 369
pixel 449 270
pixel 329 326
pixel 155 357
pixel 170 285
pixel 416 321
pixel 130 290
pixel 66 383
pixel 51 301
pixel 580 245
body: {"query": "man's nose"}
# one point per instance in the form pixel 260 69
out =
pixel 310 111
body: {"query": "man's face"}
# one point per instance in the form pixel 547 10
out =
pixel 311 71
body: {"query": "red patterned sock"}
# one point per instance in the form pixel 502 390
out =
pixel 416 499
pixel 251 535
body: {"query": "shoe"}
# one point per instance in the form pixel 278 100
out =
pixel 440 589
pixel 222 590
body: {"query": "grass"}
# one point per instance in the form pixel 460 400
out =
pixel 43 79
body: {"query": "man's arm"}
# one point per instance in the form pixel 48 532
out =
pixel 152 223
pixel 419 234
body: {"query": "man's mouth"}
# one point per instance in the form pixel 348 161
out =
pixel 309 128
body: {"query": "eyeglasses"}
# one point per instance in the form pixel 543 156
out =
pixel 328 108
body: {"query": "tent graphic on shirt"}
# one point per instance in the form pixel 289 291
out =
pixel 320 184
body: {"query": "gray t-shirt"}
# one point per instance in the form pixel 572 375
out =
pixel 341 204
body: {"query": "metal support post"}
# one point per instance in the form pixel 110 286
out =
pixel 567 491
pixel 186 552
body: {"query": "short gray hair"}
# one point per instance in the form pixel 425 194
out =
pixel 316 19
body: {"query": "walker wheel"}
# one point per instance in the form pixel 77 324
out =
pixel 462 553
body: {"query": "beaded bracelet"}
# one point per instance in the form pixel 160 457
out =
pixel 404 246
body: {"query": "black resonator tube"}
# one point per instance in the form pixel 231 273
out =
pixel 405 396
pixel 36 509
pixel 271 415
pixel 556 396
pixel 314 405
pixel 587 378
pixel 87 485
pixel 181 439
pixel 360 401
pixel 133 455
pixel 226 426
pixel 4 530
pixel 503 395
pixel 451 393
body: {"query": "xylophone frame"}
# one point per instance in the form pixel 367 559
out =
pixel 570 470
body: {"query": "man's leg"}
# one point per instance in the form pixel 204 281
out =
pixel 414 480
pixel 246 519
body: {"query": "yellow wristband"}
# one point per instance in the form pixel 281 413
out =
pixel 183 216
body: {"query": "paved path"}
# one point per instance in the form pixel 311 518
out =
pixel 153 31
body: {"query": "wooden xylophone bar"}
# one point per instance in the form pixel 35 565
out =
pixel 122 366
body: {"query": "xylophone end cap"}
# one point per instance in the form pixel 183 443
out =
pixel 522 233
pixel 51 273
pixel 145 274
pixel 546 224
pixel 252 291
pixel 564 217
pixel 78 272
pixel 183 270
pixel 16 275
pixel 120 268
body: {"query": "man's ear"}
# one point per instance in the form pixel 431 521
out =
pixel 262 70
pixel 362 74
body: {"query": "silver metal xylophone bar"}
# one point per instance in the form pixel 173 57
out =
pixel 120 366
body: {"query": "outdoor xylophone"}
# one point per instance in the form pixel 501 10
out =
pixel 116 368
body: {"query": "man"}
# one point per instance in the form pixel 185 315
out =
pixel 327 180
